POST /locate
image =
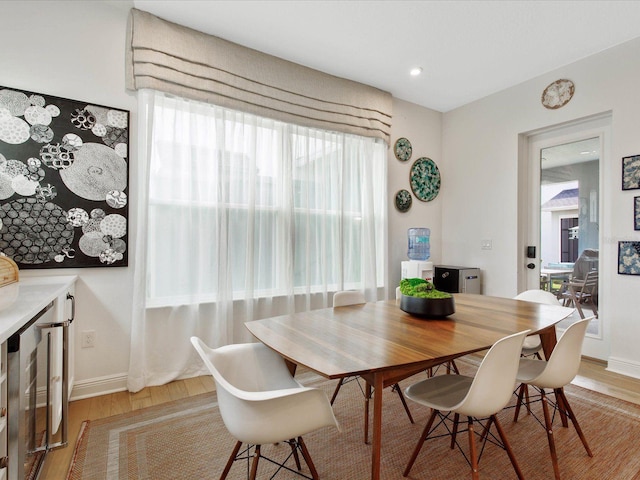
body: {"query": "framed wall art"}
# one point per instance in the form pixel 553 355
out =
pixel 631 172
pixel 63 181
pixel 636 213
pixel 629 258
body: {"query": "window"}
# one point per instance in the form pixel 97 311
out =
pixel 244 207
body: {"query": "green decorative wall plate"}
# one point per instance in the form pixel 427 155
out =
pixel 403 200
pixel 425 179
pixel 403 149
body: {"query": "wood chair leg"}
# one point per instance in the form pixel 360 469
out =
pixel 574 420
pixel 473 454
pixel 454 432
pixel 485 430
pixel 307 459
pixel 421 440
pixel 232 459
pixel 562 409
pixel 335 392
pixel 507 447
pixel 549 428
pixel 521 390
pixel 397 388
pixel 294 451
pixel 526 398
pixel 254 464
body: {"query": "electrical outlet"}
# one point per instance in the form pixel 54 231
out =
pixel 88 339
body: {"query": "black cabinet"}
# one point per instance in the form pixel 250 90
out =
pixel 453 279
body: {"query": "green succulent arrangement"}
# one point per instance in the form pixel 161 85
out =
pixel 418 287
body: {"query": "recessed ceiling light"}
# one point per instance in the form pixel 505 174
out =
pixel 416 71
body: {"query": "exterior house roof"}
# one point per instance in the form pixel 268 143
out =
pixel 565 200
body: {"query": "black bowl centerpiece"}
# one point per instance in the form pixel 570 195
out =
pixel 420 298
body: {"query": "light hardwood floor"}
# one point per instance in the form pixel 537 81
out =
pixel 57 461
pixel 592 375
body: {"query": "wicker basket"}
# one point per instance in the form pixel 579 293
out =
pixel 8 271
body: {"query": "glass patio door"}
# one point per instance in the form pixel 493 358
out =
pixel 564 214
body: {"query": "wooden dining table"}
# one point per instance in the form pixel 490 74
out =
pixel 384 345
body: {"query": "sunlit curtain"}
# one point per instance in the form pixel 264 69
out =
pixel 241 218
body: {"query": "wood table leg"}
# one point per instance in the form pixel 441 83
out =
pixel 377 427
pixel 548 339
pixel 367 401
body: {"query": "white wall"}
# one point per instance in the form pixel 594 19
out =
pixel 480 149
pixel 423 128
pixel 75 50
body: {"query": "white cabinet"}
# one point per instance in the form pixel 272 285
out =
pixel 36 375
pixel 3 412
pixel 62 312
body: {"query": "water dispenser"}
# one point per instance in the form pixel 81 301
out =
pixel 418 252
pixel 419 248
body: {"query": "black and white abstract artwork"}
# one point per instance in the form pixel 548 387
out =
pixel 63 181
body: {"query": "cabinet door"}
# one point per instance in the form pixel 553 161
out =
pixel 3 412
pixel 63 312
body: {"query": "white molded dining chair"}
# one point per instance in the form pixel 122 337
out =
pixel 533 344
pixel 479 397
pixel 554 374
pixel 352 297
pixel 261 403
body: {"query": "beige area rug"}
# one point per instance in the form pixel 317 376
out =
pixel 187 440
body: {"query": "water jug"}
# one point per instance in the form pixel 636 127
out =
pixel 419 248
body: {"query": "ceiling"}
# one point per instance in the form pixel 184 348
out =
pixel 569 153
pixel 467 49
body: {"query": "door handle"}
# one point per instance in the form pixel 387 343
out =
pixel 73 306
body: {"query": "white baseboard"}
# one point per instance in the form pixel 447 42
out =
pixel 99 386
pixel 624 367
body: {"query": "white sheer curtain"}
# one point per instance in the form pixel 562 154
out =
pixel 240 218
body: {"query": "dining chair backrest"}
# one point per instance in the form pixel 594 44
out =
pixel 245 368
pixel 493 383
pixel 259 400
pixel 563 365
pixel 348 297
pixel 538 296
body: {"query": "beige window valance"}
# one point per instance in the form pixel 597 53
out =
pixel 168 57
